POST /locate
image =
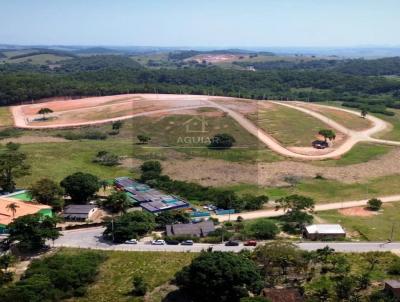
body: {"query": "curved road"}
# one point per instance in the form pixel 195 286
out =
pixel 353 137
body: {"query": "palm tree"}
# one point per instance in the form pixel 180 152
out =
pixel 44 111
pixel 13 208
pixel 327 134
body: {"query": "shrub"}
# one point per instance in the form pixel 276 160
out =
pixel 139 286
pixel 374 204
pixel 55 278
pixel 394 268
pixel 262 229
pixel 105 158
pixel 222 141
pixel 94 135
pixel 10 132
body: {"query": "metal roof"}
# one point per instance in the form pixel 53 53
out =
pixel 325 229
pixel 78 209
pixel 195 229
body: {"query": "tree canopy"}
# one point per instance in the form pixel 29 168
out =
pixel 80 186
pixel 219 276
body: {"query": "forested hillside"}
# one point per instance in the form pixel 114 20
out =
pixel 104 75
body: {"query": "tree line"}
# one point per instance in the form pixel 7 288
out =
pixel 108 75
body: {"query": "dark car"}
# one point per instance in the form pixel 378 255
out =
pixel 232 243
pixel 187 242
pixel 250 243
pixel 172 242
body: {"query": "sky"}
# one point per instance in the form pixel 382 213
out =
pixel 207 23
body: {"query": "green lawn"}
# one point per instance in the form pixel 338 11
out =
pixel 326 191
pixel 57 160
pixel 373 228
pixel 289 126
pixel 5 117
pixel 394 134
pixel 360 153
pixel 117 273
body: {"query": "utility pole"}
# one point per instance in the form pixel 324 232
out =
pixel 392 232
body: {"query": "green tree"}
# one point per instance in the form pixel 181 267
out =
pixel 151 166
pixel 80 186
pixel 296 208
pixel 277 258
pixel 32 231
pixel 117 125
pixel 222 141
pixel 12 165
pixel 44 111
pixel 171 217
pixel 262 229
pixel 150 170
pixel 374 204
pixel 219 276
pixel 130 225
pixel 48 192
pixel 364 112
pixel 116 202
pixel 327 134
pixel 143 139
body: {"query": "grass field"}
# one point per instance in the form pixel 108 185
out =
pixel 117 273
pixel 170 132
pixel 394 134
pixel 348 120
pixel 57 160
pixel 373 228
pixel 360 153
pixel 288 126
pixel 6 118
pixel 327 191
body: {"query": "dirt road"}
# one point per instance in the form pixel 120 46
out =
pixel 318 207
pixel 353 137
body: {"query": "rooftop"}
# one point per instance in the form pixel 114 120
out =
pixel 196 229
pixel 393 283
pixel 78 208
pixel 325 229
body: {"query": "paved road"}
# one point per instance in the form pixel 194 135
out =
pixel 318 207
pixel 353 137
pixel 91 238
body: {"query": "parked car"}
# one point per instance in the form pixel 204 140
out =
pixel 187 242
pixel 131 241
pixel 232 243
pixel 250 243
pixel 158 242
pixel 172 242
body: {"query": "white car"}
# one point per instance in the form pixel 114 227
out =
pixel 158 242
pixel 131 241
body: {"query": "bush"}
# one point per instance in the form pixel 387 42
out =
pixel 374 204
pixel 139 286
pixel 222 141
pixel 55 278
pixel 94 135
pixel 9 132
pixel 105 158
pixel 262 229
pixel 394 268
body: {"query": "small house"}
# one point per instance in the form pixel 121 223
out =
pixel 79 212
pixel 324 232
